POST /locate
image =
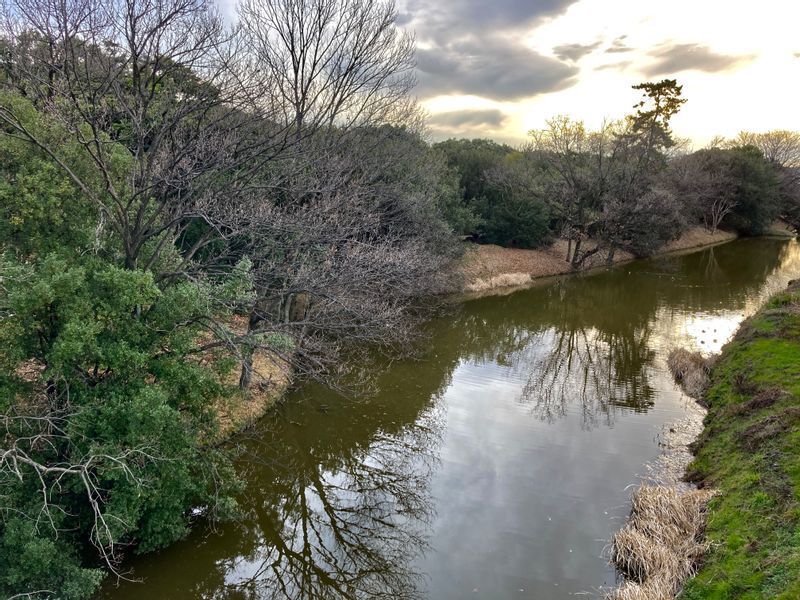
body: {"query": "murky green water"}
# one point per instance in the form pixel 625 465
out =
pixel 496 467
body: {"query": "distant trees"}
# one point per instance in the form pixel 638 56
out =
pixel 640 216
pixel 757 191
pixel 499 203
pixel 601 184
pixel 704 180
pixel 780 147
pixel 629 185
pixel 780 150
pixel 511 210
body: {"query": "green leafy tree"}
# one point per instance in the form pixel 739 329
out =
pixel 107 417
pixel 757 191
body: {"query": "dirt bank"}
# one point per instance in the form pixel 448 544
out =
pixel 240 409
pixel 488 267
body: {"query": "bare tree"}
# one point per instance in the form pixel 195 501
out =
pixel 781 147
pixel 328 63
pixel 705 180
pixel 157 79
pixel 334 255
pixel 580 161
pixel 346 267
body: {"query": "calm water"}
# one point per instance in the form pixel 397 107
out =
pixel 497 467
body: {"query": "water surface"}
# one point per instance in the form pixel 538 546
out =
pixel 497 467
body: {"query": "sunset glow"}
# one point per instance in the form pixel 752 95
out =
pixel 498 69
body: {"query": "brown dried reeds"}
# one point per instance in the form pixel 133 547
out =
pixel 661 544
pixel 690 370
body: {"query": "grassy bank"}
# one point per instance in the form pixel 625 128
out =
pixel 750 452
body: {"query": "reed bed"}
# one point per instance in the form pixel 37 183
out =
pixel 661 544
pixel 691 370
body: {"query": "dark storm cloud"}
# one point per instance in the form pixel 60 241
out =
pixel 492 68
pixel 475 47
pixel 575 52
pixel 690 57
pixel 469 118
pixel 443 20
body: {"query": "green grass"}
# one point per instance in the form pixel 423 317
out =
pixel 750 452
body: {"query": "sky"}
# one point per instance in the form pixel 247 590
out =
pixel 498 68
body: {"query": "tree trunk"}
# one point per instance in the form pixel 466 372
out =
pixel 246 376
pixel 576 253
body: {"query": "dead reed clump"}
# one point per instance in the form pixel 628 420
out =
pixel 690 370
pixel 661 544
pixel 499 281
pixel 764 398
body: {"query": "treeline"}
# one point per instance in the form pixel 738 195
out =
pixel 177 197
pixel 629 185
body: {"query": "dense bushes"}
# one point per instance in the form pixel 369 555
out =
pixel 756 191
pixel 102 357
pixel 497 204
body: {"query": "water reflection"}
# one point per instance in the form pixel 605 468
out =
pixel 490 469
pixel 588 343
pixel 586 369
pixel 344 528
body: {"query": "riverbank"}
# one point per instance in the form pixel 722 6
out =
pixel 662 542
pixel 488 267
pixel 483 269
pixel 241 409
pixel 750 452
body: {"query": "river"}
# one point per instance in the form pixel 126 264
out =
pixel 498 466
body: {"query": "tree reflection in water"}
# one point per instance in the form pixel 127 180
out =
pixel 346 530
pixel 589 370
pixel 589 342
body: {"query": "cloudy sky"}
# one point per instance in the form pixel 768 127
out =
pixel 497 68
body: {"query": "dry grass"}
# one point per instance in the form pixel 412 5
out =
pixel 271 378
pixel 661 545
pixel 690 370
pixel 698 237
pixel 500 281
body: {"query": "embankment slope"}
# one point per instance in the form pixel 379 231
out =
pixel 750 452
